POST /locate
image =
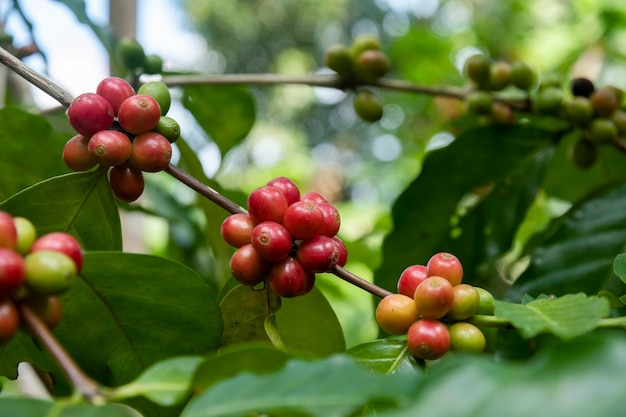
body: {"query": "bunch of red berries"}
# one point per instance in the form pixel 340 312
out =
pixel 123 130
pixel 284 239
pixel 431 306
pixel 34 270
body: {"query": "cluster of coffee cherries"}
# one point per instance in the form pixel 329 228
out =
pixel 124 130
pixel 431 307
pixel 361 62
pixel 284 239
pixel 34 270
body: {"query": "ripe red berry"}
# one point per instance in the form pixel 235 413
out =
pixel 288 187
pixel 434 297
pixel 248 267
pixel 89 113
pixel 446 265
pixel 288 278
pixel 332 219
pixel 318 254
pixel 76 154
pixel 109 147
pixel 236 229
pixel 8 231
pixel 410 278
pixel 271 240
pixel 267 204
pixel 303 220
pixel 115 90
pixel 151 152
pixel 126 182
pixel 61 242
pixel 428 339
pixel 139 113
pixel 343 251
pixel 313 197
pixel 9 319
pixel 12 272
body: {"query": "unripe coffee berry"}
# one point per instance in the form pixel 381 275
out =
pixel 434 297
pixel 487 302
pixel 169 128
pixel 26 234
pixel 522 75
pixel 477 69
pixel 465 302
pixel 61 242
pixel 151 152
pixel 368 106
pixel 89 113
pixel 364 42
pixel 479 102
pixel 109 147
pixel 396 313
pixel 499 75
pixel 49 272
pixel 371 65
pixel 139 113
pixel 339 59
pixel 465 337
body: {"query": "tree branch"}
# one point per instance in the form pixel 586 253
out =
pixel 87 386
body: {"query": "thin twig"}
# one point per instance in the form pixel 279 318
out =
pixel 360 282
pixel 87 386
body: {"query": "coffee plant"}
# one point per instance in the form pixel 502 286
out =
pixel 487 300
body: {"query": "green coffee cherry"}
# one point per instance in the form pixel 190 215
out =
pixel 465 337
pixel 131 53
pixel 479 102
pixel 169 128
pixel 154 64
pixel 477 68
pixel 371 65
pixel 160 92
pixel 364 42
pixel 551 80
pixel 368 106
pixel 486 306
pixel 549 100
pixel 49 272
pixel 619 118
pixel 602 130
pixel 499 76
pixel 522 75
pixel 579 111
pixel 339 59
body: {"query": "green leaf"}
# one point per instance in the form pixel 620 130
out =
pixel 244 310
pixel 26 407
pixel 385 356
pixel 332 387
pixel 619 266
pixel 31 151
pixel 566 317
pixel 133 310
pixel 580 378
pixel 81 204
pixel 233 360
pixel 475 161
pixel 226 113
pixel 308 324
pixel 166 383
pixel 577 253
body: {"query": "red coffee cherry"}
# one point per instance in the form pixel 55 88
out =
pixel 313 197
pixel 8 231
pixel 267 203
pixel 248 267
pixel 126 182
pixel 89 113
pixel 61 242
pixel 332 219
pixel 109 147
pixel 446 265
pixel 9 319
pixel 288 278
pixel 271 240
pixel 76 154
pixel 115 90
pixel 428 339
pixel 303 220
pixel 139 113
pixel 236 229
pixel 318 254
pixel 434 297
pixel 12 272
pixel 151 152
pixel 410 278
pixel 343 251
pixel 396 313
pixel 288 187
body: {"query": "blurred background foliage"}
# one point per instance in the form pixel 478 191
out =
pixel 313 136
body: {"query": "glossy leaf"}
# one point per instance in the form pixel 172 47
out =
pixel 385 356
pixel 81 204
pixel 569 380
pixel 566 317
pixel 166 383
pixel 129 309
pixel 233 360
pixel 26 407
pixel 226 113
pixel 31 151
pixel 331 387
pixel 476 159
pixel 619 266
pixel 577 253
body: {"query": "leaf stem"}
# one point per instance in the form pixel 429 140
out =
pixel 490 321
pixel 612 323
pixel 87 386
